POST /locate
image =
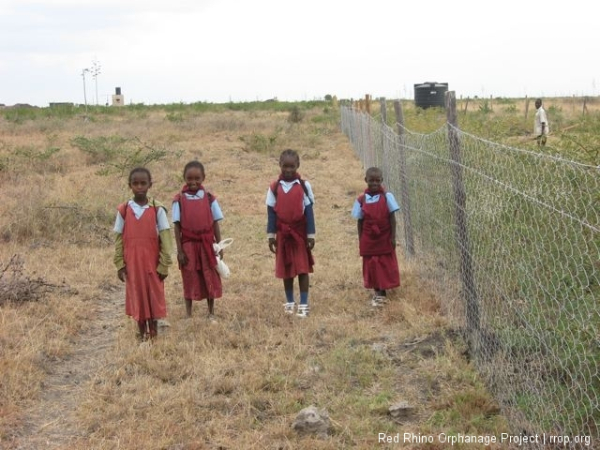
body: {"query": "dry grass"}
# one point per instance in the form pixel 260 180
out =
pixel 569 105
pixel 74 375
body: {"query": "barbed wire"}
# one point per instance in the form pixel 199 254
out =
pixel 533 236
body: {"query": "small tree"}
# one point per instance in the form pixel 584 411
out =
pixel 296 115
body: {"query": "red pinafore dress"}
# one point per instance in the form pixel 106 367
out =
pixel 293 256
pixel 144 291
pixel 380 263
pixel 200 277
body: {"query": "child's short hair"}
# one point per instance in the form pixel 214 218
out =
pixel 195 163
pixel 139 170
pixel 289 152
pixel 373 171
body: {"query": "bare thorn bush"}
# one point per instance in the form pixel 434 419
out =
pixel 18 287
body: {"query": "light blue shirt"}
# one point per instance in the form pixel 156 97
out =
pixel 161 217
pixel 214 207
pixel 391 204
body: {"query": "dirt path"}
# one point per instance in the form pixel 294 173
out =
pixel 50 423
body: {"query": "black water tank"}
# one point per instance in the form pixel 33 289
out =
pixel 118 91
pixel 430 93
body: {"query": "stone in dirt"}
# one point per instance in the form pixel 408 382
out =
pixel 312 421
pixel 401 410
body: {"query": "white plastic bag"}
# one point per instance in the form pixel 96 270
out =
pixel 222 268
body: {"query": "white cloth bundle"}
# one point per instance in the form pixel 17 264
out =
pixel 222 268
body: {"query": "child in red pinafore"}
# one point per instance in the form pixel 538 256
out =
pixel 291 230
pixel 374 210
pixel 143 254
pixel 196 216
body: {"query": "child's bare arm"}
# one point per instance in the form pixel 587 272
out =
pixel 217 232
pixel 181 257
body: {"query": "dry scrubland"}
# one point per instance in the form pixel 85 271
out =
pixel 73 374
pixel 574 123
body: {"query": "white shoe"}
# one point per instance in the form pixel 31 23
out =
pixel 378 300
pixel 289 307
pixel 302 311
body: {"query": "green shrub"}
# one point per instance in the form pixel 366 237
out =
pixel 20 115
pixel 118 154
pixel 175 117
pixel 101 149
pixel 258 142
pixel 296 115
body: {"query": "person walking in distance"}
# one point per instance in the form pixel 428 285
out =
pixel 540 127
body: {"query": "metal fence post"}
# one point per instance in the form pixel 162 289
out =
pixel 405 194
pixel 462 233
pixel 383 108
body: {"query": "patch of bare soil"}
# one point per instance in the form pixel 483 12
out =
pixel 51 422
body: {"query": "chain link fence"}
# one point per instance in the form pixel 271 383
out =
pixel 509 239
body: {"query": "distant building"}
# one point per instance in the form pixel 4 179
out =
pixel 118 99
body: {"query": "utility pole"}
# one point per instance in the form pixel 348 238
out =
pixel 95 72
pixel 83 72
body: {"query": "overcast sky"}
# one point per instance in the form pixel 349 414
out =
pixel 166 51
